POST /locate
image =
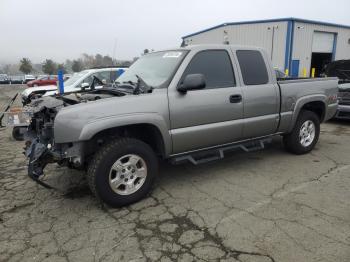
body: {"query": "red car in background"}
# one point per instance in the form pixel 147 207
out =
pixel 43 81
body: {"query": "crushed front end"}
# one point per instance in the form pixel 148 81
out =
pixel 41 148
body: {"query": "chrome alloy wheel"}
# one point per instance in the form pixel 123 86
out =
pixel 128 174
pixel 307 133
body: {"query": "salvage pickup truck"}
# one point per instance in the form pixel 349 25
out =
pixel 192 103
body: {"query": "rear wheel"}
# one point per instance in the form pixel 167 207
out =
pixel 305 133
pixel 123 171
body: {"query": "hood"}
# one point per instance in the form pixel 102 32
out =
pixel 41 103
pixel 70 121
pixel 339 68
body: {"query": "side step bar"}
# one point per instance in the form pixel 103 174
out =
pixel 219 153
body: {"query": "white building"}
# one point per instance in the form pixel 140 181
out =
pixel 294 44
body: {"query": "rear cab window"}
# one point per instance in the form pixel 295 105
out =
pixel 253 67
pixel 215 65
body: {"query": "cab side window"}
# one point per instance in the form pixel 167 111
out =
pixel 104 76
pixel 253 67
pixel 216 67
pixel 88 80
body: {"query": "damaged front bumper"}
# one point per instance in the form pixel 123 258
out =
pixel 41 154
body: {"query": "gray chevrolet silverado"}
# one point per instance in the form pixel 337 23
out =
pixel 192 103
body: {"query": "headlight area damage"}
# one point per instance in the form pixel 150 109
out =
pixel 40 146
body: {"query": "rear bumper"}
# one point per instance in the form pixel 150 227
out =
pixel 343 112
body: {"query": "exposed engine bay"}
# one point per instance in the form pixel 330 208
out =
pixel 44 110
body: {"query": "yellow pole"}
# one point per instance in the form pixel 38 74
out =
pixel 287 72
pixel 313 70
pixel 304 72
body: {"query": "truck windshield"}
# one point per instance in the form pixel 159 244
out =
pixel 155 68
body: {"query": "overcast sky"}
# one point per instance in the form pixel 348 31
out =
pixel 40 29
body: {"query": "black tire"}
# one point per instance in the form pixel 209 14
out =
pixel 17 134
pixel 292 141
pixel 99 170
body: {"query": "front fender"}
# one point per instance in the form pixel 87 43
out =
pixel 301 102
pixel 89 129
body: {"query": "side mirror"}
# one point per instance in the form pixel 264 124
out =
pixel 104 81
pixel 84 85
pixel 192 82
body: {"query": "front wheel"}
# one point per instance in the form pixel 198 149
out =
pixel 123 171
pixel 304 135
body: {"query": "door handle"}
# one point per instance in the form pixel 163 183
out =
pixel 235 98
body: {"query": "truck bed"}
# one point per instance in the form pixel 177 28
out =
pixel 304 79
pixel 292 90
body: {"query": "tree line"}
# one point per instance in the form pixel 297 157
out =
pixel 51 67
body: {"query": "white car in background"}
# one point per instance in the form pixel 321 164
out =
pixel 75 83
pixel 28 78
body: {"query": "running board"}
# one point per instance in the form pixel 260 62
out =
pixel 219 153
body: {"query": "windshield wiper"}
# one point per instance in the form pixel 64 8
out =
pixel 126 87
pixel 137 87
pixel 142 86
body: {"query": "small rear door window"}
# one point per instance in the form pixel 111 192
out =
pixel 253 67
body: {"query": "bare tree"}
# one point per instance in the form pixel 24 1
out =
pixel 77 65
pixel 49 67
pixel 25 66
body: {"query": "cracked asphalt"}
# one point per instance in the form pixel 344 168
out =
pixel 262 206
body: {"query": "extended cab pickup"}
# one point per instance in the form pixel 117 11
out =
pixel 191 103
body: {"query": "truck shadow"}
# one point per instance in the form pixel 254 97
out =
pixel 339 122
pixel 232 158
pixel 73 183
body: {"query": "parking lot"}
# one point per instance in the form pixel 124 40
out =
pixel 262 206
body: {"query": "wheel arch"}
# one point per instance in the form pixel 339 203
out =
pixel 316 104
pixel 146 132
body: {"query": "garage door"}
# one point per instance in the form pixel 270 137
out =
pixel 322 42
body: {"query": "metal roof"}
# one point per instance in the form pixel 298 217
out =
pixel 268 21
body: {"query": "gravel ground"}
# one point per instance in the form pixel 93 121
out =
pixel 261 206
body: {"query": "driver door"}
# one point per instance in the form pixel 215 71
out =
pixel 207 117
